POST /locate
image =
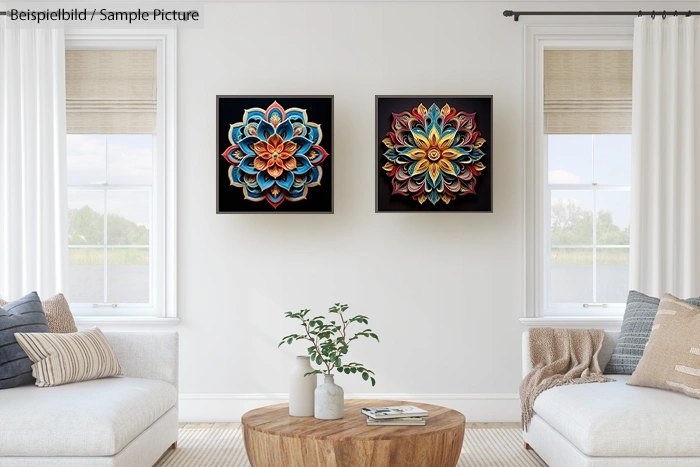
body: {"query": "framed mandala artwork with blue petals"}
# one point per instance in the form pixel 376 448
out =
pixel 434 154
pixel 274 154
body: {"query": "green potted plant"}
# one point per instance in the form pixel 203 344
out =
pixel 330 341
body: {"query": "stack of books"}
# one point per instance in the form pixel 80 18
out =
pixel 403 415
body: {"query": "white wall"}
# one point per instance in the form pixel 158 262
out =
pixel 443 291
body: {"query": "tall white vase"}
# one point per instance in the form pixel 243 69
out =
pixel 329 401
pixel 301 390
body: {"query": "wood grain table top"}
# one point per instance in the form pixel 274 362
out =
pixel 275 419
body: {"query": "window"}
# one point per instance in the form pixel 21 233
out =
pixel 578 93
pixel 588 192
pixel 587 142
pixel 110 219
pixel 121 173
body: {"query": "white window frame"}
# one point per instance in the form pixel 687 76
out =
pixel 539 38
pixel 163 246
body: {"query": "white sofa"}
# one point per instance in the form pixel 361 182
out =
pixel 125 421
pixel 613 424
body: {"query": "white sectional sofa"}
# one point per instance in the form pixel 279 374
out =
pixel 613 424
pixel 125 421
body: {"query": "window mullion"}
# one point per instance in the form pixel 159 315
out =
pixel 571 247
pixel 595 224
pixel 105 185
pixel 548 246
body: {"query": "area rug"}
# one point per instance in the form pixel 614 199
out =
pixel 222 446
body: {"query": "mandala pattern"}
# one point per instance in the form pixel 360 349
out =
pixel 275 154
pixel 433 154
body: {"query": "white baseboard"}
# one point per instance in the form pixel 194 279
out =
pixel 230 407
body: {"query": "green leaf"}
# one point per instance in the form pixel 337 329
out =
pixel 337 361
pixel 365 376
pixel 347 370
pixel 289 341
pixel 354 370
pixel 319 360
pixel 373 381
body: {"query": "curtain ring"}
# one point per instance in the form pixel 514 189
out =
pixel 640 14
pixel 653 14
pixel 664 15
pixel 688 15
pixel 675 13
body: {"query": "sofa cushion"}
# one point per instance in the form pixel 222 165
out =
pixel 90 418
pixel 23 315
pixel 616 420
pixel 672 357
pixel 636 328
pixel 69 357
pixel 58 313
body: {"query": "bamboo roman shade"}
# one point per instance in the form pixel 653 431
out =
pixel 111 91
pixel 588 91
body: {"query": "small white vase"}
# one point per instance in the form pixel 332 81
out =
pixel 301 389
pixel 329 400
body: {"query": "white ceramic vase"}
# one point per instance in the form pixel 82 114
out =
pixel 301 388
pixel 329 400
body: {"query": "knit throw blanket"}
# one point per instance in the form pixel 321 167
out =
pixel 560 357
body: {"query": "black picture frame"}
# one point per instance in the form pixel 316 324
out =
pixel 230 199
pixel 481 201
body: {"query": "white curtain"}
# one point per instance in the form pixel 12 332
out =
pixel 665 224
pixel 33 194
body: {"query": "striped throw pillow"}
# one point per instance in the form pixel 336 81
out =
pixel 23 315
pixel 672 357
pixel 58 313
pixel 69 358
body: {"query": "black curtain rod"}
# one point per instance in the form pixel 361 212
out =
pixel 517 14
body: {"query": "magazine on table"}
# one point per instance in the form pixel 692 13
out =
pixel 400 411
pixel 414 421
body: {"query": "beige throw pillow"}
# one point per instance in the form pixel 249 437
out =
pixel 68 358
pixel 58 314
pixel 671 359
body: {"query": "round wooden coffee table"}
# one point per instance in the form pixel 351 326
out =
pixel 273 438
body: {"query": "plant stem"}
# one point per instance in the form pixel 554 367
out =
pixel 318 351
pixel 345 325
pixel 340 313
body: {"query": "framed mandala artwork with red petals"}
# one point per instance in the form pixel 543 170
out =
pixel 274 154
pixel 434 154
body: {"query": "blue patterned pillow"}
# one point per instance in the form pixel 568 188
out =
pixel 634 335
pixel 23 315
